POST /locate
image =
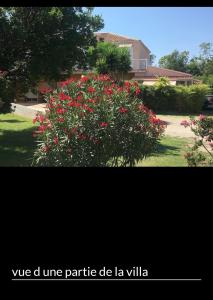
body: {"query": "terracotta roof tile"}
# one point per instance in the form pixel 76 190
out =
pixel 113 38
pixel 154 72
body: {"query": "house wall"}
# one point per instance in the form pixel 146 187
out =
pixel 151 82
pixel 139 51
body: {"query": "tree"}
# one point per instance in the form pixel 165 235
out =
pixel 176 61
pixel 195 66
pixel 202 65
pixel 43 42
pixel 152 58
pixel 108 58
pixel 206 51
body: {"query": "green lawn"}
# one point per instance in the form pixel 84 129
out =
pixel 16 141
pixel 170 153
pixel 17 145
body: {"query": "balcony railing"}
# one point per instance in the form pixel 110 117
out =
pixel 139 64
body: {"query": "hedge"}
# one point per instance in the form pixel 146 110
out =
pixel 168 98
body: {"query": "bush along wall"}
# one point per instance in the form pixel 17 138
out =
pixel 177 99
pixel 96 122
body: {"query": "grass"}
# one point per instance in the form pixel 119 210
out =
pixel 17 145
pixel 170 153
pixel 16 142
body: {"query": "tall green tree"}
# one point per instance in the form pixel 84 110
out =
pixel 206 51
pixel 175 61
pixel 202 65
pixel 108 58
pixel 43 42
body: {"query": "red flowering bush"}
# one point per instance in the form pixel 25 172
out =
pixel 203 130
pixel 95 122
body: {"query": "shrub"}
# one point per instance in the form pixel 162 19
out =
pixel 203 130
pixel 163 97
pixel 190 99
pixel 108 58
pixel 95 122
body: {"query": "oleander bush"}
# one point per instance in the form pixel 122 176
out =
pixel 201 153
pixel 95 122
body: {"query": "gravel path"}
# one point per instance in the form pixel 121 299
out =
pixel 174 128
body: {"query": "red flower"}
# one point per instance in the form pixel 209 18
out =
pixel 103 78
pixel 35 120
pixel 201 117
pixel 62 97
pixel 104 124
pixel 91 89
pixel 123 110
pixel 55 140
pixel 79 97
pixel 34 134
pixel 154 120
pixel 120 89
pixel 108 91
pixel 42 128
pixel 74 104
pixel 61 111
pixel 45 90
pixel 87 108
pixel 39 118
pixel 143 108
pixel 46 148
pixel 84 79
pixel 185 123
pixel 50 106
pixel 91 101
pixel 66 82
pixel 127 84
pixel 137 92
pixel 49 124
pixel 60 120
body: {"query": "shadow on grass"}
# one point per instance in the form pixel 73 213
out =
pixel 12 121
pixel 163 149
pixel 16 147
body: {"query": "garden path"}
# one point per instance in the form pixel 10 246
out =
pixel 174 128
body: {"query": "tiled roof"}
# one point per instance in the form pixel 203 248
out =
pixel 154 72
pixel 114 37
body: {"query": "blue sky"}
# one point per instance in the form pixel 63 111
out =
pixel 162 29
